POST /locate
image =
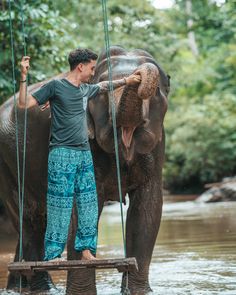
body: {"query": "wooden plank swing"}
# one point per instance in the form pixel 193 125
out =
pixel 28 268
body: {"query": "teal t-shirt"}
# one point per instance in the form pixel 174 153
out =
pixel 68 112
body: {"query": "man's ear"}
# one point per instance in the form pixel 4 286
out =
pixel 80 67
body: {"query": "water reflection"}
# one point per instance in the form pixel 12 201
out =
pixel 195 251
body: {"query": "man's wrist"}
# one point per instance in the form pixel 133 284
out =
pixel 23 77
pixel 125 80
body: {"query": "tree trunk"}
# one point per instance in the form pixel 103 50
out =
pixel 191 36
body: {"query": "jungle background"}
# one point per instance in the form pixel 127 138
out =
pixel 193 41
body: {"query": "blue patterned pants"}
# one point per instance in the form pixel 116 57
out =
pixel 70 174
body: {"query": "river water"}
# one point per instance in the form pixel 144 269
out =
pixel 195 252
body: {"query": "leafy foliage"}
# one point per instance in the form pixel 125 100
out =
pixel 201 121
pixel 201 142
pixel 45 37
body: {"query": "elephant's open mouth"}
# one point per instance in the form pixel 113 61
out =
pixel 138 139
pixel 127 135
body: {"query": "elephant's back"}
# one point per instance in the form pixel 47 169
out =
pixel 6 109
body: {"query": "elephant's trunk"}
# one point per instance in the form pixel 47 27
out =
pixel 129 113
pixel 132 108
pixel 150 80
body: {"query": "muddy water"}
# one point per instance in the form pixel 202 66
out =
pixel 195 251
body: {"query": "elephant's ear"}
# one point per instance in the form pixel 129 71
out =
pixel 91 126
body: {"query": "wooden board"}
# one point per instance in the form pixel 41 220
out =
pixel 29 267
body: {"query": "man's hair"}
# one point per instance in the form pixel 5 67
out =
pixel 78 56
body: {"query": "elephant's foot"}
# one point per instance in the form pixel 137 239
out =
pixel 135 290
pixel 81 282
pixel 83 293
pixel 14 282
pixel 134 285
pixel 39 282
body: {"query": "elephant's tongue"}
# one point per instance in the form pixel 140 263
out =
pixel 127 134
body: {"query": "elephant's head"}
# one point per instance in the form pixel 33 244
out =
pixel 139 109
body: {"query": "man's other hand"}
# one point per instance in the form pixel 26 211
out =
pixel 45 106
pixel 24 65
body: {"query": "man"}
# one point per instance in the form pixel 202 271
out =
pixel 70 165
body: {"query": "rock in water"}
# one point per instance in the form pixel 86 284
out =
pixel 220 192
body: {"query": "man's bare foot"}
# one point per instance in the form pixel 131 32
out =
pixel 57 259
pixel 87 255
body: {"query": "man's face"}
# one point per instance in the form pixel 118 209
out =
pixel 87 70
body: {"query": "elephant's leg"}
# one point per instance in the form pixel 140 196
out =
pixel 82 281
pixel 33 250
pixel 33 229
pixel 7 183
pixel 41 281
pixel 13 281
pixel 143 221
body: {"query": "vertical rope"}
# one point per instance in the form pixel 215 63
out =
pixel 21 187
pixel 16 122
pixel 24 136
pixel 125 291
pixel 15 104
pixel 112 103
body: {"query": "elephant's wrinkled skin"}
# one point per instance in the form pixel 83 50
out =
pixel 140 112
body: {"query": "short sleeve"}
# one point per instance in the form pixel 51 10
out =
pixel 93 90
pixel 45 93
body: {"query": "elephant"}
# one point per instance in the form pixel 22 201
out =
pixel 140 112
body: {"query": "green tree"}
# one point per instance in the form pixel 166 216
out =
pixel 201 143
pixel 45 37
pixel 200 134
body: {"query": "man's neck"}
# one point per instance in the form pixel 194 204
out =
pixel 74 79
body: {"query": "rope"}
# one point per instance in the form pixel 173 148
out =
pixel 125 291
pixel 16 125
pixel 24 137
pixel 112 103
pixel 20 187
pixel 15 105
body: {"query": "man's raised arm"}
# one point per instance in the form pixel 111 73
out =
pixel 25 99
